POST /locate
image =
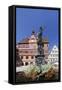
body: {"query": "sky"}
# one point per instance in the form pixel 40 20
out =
pixel 29 19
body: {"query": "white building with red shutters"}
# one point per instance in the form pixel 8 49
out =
pixel 53 56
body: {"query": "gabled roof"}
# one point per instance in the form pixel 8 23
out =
pixel 24 41
pixel 54 48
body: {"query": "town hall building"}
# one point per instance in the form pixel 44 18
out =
pixel 28 47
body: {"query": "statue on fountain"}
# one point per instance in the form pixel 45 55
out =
pixel 40 55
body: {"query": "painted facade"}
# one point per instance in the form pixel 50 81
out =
pixel 28 49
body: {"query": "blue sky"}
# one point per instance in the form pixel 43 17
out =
pixel 27 19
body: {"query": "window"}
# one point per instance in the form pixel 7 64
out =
pixel 26 57
pixel 26 63
pixel 21 57
pixel 32 57
pixel 20 51
pixel 26 51
pixel 51 60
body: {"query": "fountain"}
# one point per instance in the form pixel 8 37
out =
pixel 40 51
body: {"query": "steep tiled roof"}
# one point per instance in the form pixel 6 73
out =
pixel 24 41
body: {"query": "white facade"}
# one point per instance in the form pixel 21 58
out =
pixel 53 56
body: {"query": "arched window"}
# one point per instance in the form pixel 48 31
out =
pixel 21 57
pixel 32 57
pixel 26 63
pixel 26 57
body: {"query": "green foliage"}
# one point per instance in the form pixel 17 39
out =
pixel 33 72
pixel 45 67
pixel 32 68
pixel 35 68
